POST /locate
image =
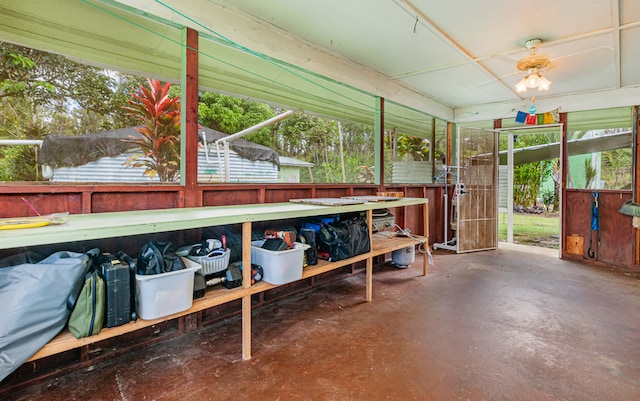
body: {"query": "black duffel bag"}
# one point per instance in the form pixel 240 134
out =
pixel 359 242
pixel 344 239
pixel 158 257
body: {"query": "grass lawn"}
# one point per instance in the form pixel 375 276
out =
pixel 532 229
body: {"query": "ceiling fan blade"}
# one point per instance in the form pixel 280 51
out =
pixel 498 79
pixel 581 52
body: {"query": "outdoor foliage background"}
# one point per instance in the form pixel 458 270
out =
pixel 47 94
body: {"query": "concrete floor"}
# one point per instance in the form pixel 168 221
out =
pixel 512 324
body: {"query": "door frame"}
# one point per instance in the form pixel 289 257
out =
pixel 560 127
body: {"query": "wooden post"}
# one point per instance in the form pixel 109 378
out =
pixel 189 118
pixel 246 283
pixel 636 179
pixel 369 261
pixel 564 168
pixel 425 224
pixel 449 161
pixel 432 149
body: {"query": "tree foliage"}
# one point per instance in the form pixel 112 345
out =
pixel 412 148
pixel 617 168
pixel 527 178
pixel 230 115
pixel 526 182
pixel 159 115
pixel 43 93
pixel 303 136
pixel 590 173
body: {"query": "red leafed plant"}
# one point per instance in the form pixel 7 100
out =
pixel 159 115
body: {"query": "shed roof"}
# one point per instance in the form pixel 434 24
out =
pixel 64 150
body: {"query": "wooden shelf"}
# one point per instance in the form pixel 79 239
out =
pixel 65 341
pixel 383 244
pixel 124 223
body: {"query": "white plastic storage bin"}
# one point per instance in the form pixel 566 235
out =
pixel 279 267
pixel 159 295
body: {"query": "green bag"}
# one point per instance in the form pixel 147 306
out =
pixel 88 313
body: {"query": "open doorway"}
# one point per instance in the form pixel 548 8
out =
pixel 530 174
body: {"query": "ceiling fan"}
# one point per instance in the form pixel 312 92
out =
pixel 533 64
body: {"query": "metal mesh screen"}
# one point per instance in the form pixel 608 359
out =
pixel 476 194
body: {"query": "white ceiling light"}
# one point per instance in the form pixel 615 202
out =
pixel 533 64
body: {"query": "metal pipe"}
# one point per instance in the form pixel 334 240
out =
pixel 256 127
pixel 21 142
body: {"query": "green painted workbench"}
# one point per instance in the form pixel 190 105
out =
pixel 121 224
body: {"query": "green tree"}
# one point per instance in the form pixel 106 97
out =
pixel 230 114
pixel 590 173
pixel 412 148
pixel 526 182
pixel 617 168
pixel 528 177
pixel 43 93
pixel 303 136
pixel 54 81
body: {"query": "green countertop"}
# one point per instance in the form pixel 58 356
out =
pixel 81 227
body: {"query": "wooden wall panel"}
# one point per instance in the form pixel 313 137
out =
pixel 363 191
pixel 275 195
pixel 410 218
pixel 12 205
pixel 616 231
pixel 616 246
pixel 123 201
pixel 337 192
pixel 232 196
pixel 577 214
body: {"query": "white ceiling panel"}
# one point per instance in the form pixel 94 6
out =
pixel 446 58
pixel 462 92
pixel 464 53
pixel 629 11
pixel 630 60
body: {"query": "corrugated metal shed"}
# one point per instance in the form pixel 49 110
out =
pixel 503 181
pixel 412 172
pixel 290 161
pixel 112 169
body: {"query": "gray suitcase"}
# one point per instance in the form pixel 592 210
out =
pixel 116 272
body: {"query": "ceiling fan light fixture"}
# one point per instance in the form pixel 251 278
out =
pixel 533 64
pixel 544 84
pixel 533 80
pixel 522 85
